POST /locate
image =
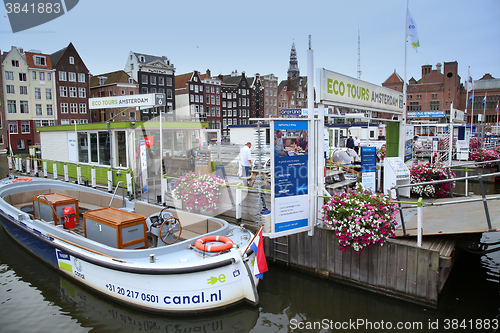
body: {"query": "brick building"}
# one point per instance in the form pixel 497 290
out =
pixel 116 83
pixel 72 85
pixel 191 96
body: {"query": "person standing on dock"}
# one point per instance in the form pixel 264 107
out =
pixel 356 145
pixel 350 142
pixel 246 160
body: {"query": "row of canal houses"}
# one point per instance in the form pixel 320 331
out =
pixel 40 89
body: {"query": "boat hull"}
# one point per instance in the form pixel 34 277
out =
pixel 209 284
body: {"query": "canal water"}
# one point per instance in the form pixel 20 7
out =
pixel 35 298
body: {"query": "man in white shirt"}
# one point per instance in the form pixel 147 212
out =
pixel 246 160
pixel 356 145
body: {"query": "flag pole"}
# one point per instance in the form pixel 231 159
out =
pixel 255 235
pixel 467 97
pixel 402 124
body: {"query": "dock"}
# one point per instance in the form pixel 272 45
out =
pixel 455 217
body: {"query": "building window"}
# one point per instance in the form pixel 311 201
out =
pixel 144 90
pixel 419 96
pixel 72 77
pixel 161 81
pixel 73 107
pixel 81 93
pixel 13 127
pixel 48 93
pixel 42 76
pixel 50 112
pixel 152 80
pixel 169 81
pixel 132 115
pixel 72 91
pixel 15 63
pixel 123 92
pixel 22 77
pixel 434 105
pixel 144 79
pixel 49 76
pixel 9 76
pixel 72 60
pixel 24 107
pixel 169 93
pixel 81 77
pixel 25 126
pixel 83 108
pixel 38 93
pixel 64 121
pixel 64 108
pixel 23 90
pixel 62 76
pixel 131 92
pixel 11 107
pixel 11 89
pixel 38 108
pixel 34 75
pixel 20 144
pixel 434 96
pixel 63 91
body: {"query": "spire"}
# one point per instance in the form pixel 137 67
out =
pixel 293 69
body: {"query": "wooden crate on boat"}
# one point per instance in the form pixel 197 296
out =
pixel 116 228
pixel 58 201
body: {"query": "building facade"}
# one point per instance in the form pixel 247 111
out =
pixel 486 89
pixel 270 83
pixel 3 125
pixel 154 75
pixel 257 96
pixel 190 96
pixel 116 83
pixel 29 96
pixel 72 85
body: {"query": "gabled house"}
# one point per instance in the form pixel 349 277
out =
pixel 190 96
pixel 116 83
pixel 154 75
pixel 72 85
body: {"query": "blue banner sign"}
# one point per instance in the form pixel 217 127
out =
pixel 425 114
pixel 291 112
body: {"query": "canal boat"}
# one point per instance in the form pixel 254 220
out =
pixel 143 255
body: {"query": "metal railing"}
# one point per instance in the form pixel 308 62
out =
pixel 420 202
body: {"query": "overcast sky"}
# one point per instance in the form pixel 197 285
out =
pixel 256 36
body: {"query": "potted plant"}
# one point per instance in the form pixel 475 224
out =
pixel 486 154
pixel 427 172
pixel 198 192
pixel 360 218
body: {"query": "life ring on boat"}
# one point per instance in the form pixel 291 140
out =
pixel 200 243
pixel 17 180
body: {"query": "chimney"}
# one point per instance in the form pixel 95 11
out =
pixel 208 73
pixel 426 69
pixel 438 67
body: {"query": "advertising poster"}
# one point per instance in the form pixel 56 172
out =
pixel 290 193
pixel 369 167
pixel 409 145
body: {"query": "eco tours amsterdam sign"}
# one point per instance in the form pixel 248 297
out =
pixel 141 100
pixel 342 89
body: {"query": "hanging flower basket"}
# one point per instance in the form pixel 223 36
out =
pixel 360 218
pixel 198 192
pixel 427 172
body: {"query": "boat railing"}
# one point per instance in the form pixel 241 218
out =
pixel 114 193
pixel 48 203
pixel 420 202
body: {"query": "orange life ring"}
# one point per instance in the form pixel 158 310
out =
pixel 22 180
pixel 200 243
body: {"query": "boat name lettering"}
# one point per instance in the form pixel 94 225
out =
pixel 195 299
pixel 150 298
pixel 79 274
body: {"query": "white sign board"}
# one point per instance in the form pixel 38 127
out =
pixel 458 116
pixel 72 155
pixel 141 100
pixel 338 88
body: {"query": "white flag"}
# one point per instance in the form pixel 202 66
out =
pixel 411 30
pixel 470 83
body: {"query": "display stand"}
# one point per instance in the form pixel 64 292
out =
pixel 396 173
pixel 203 162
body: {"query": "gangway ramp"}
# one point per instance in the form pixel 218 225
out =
pixel 454 216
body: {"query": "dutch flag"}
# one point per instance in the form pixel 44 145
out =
pixel 260 264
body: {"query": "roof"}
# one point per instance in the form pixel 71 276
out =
pixel 150 58
pixel 31 61
pixel 394 78
pixel 182 79
pixel 56 56
pixel 112 77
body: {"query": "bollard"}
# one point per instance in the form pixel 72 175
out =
pixel 129 183
pixel 45 169
pixel 28 165
pixel 419 222
pixel 79 174
pixel 163 189
pixel 110 180
pixel 66 173
pixel 9 161
pixel 35 167
pixel 238 202
pixel 54 170
pixel 93 177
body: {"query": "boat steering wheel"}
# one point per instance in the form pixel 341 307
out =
pixel 170 229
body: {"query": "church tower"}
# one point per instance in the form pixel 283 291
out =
pixel 293 69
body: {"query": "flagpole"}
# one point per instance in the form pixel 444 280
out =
pixel 402 124
pixel 467 97
pixel 255 235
